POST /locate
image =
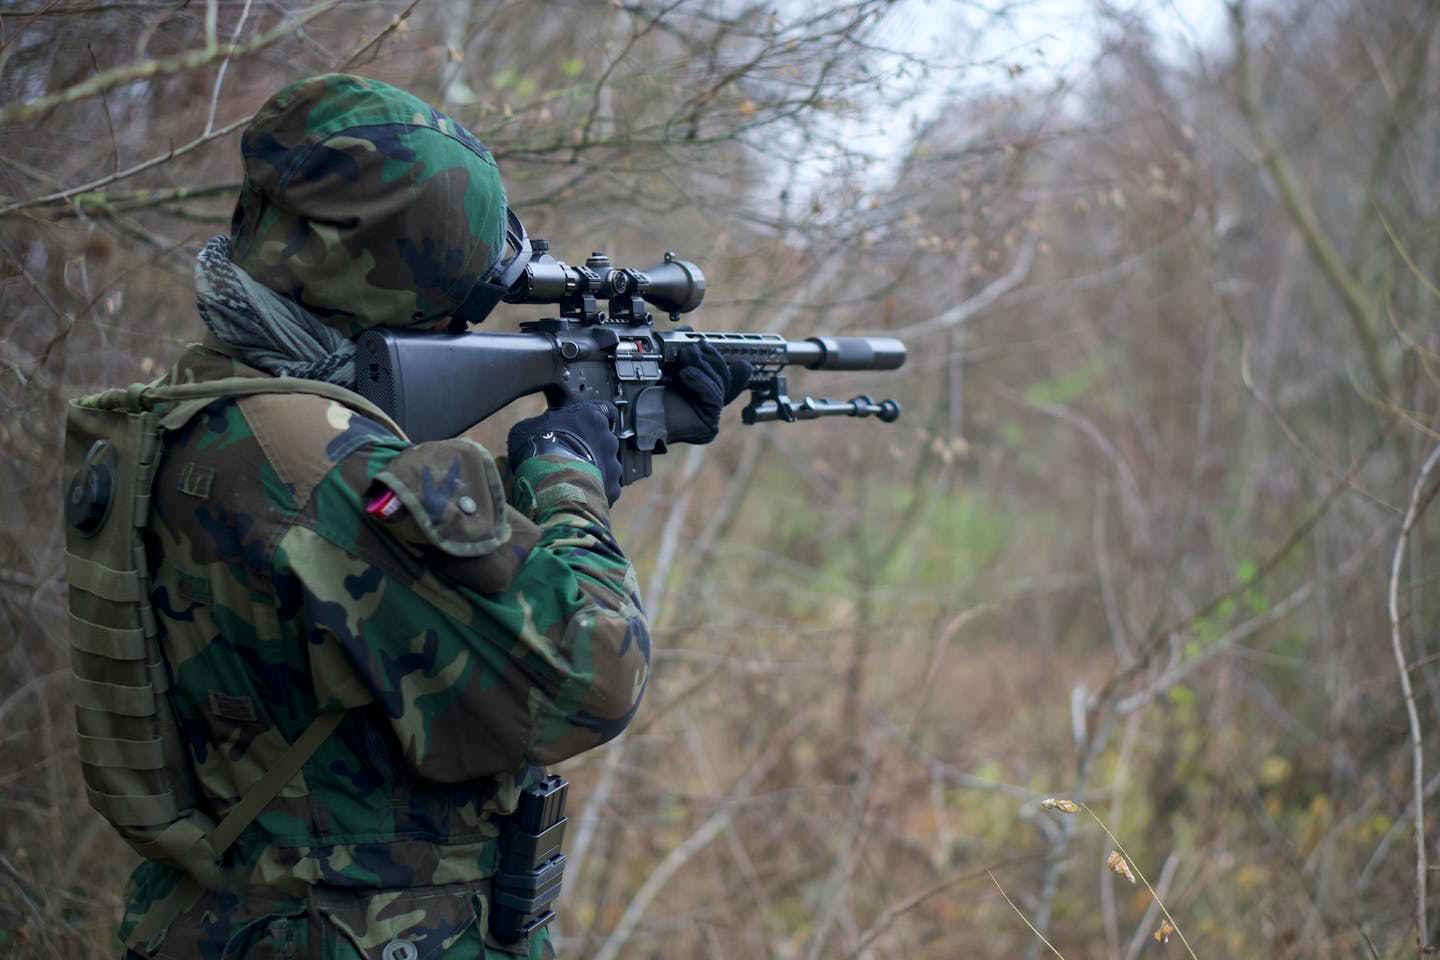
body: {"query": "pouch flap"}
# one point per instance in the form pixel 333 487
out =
pixel 413 924
pixel 453 493
pixel 222 926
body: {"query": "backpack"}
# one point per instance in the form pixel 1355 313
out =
pixel 137 769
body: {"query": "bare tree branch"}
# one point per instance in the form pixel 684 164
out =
pixel 147 70
pixel 1418 501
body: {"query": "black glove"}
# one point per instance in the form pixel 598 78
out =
pixel 706 382
pixel 584 430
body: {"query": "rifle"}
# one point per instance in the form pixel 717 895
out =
pixel 439 385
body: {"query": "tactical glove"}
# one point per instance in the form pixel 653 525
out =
pixel 584 430
pixel 705 382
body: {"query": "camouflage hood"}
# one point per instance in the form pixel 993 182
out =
pixel 366 206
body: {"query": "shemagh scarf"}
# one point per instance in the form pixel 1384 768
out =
pixel 266 330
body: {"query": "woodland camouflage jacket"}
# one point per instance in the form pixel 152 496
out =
pixel 472 640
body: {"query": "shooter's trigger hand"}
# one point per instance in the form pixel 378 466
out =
pixel 584 430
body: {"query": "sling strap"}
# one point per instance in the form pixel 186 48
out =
pixel 268 787
pixel 190 398
pixel 188 890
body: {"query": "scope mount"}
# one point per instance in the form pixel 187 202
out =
pixel 673 286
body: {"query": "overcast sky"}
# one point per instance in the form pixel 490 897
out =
pixel 1048 38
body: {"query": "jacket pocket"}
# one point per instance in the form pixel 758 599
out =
pixel 223 926
pixel 416 924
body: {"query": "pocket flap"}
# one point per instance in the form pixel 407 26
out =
pixel 214 924
pixel 453 493
pixel 415 924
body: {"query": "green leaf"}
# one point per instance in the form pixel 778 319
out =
pixel 572 66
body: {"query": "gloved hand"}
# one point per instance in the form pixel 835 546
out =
pixel 584 430
pixel 706 382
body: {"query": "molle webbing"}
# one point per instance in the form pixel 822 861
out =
pixel 135 766
pixel 137 769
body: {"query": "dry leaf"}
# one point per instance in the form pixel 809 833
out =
pixel 747 108
pixel 1062 805
pixel 1163 934
pixel 1118 866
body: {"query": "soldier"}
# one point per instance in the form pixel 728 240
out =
pixel 311 570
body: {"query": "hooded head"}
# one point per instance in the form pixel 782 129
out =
pixel 368 207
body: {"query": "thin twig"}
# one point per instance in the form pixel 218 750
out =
pixel 109 123
pixel 400 18
pixel 225 65
pixel 1141 874
pixel 1133 499
pixel 697 841
pixel 898 910
pixel 1158 636
pixel 165 66
pixel 1147 922
pixel 962 313
pixel 102 204
pixel 141 167
pixel 1359 307
pixel 6 40
pixel 1417 505
pixel 1022 916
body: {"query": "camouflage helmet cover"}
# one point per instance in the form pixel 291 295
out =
pixel 366 205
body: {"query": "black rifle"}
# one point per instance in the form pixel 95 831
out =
pixel 439 385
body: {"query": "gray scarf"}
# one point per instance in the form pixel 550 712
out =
pixel 267 330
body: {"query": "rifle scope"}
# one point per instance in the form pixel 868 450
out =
pixel 675 286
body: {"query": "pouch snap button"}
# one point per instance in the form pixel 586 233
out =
pixel 467 505
pixel 399 950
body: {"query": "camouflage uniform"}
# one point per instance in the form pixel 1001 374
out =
pixel 471 636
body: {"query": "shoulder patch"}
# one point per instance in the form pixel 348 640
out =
pixel 240 709
pixel 196 480
pixel 304 437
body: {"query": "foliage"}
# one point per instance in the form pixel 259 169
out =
pixel 1174 371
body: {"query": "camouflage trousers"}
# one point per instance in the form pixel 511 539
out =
pixel 420 923
pixel 470 947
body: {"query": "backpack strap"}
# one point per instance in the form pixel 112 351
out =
pixel 188 889
pixel 190 398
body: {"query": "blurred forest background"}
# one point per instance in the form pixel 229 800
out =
pixel 1151 535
